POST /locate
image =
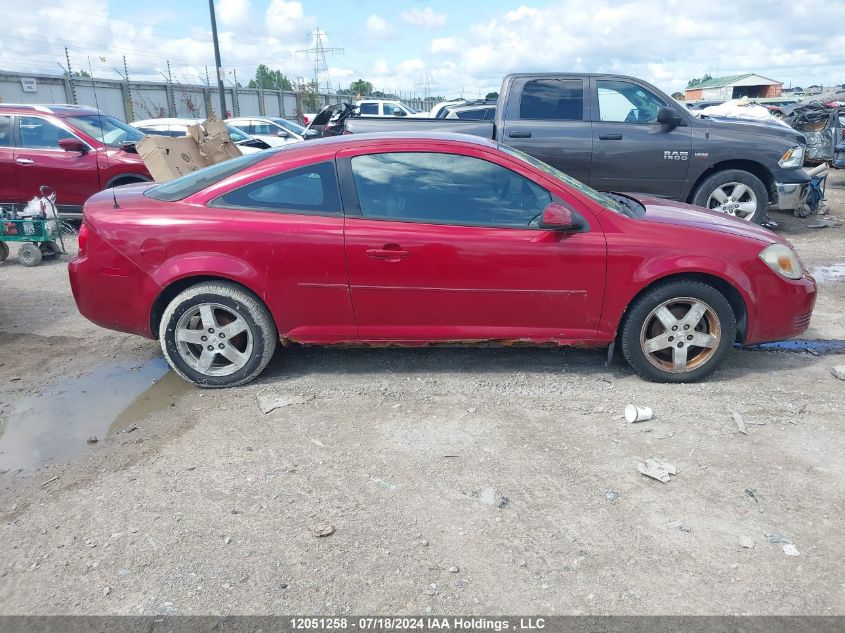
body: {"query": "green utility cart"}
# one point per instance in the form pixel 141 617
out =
pixel 39 237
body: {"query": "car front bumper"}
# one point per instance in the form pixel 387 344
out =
pixel 790 195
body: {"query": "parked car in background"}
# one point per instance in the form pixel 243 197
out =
pixel 274 131
pixel 700 105
pixel 76 150
pixel 179 127
pixel 618 133
pixel 384 108
pixel 472 110
pixel 436 239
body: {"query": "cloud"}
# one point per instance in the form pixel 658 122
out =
pixel 233 12
pixel 427 18
pixel 284 17
pixel 377 26
pixel 443 45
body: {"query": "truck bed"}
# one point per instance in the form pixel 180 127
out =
pixel 365 125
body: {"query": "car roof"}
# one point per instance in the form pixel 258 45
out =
pixel 399 140
pixel 59 109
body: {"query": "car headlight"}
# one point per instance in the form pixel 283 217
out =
pixel 793 157
pixel 783 261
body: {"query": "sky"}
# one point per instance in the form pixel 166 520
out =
pixel 456 47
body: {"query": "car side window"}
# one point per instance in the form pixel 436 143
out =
pixel 5 131
pixel 552 100
pixel 440 188
pixel 471 114
pixel 307 189
pixel 369 108
pixel 38 133
pixel 626 102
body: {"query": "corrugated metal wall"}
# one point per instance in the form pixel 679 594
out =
pixel 134 101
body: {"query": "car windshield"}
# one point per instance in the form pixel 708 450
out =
pixel 106 129
pixel 290 126
pixel 198 180
pixel 603 199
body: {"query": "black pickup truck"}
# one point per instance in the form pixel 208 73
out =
pixel 618 133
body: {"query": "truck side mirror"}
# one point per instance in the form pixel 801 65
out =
pixel 668 116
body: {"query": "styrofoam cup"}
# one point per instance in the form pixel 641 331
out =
pixel 633 413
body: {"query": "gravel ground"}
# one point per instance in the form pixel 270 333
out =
pixel 465 481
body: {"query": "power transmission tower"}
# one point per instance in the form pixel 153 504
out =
pixel 317 53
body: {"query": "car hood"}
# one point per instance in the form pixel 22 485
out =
pixel 663 211
pixel 749 126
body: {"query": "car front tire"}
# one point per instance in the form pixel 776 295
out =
pixel 734 192
pixel 217 334
pixel 678 331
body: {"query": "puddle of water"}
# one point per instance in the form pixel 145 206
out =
pixel 832 272
pixel 817 347
pixel 57 423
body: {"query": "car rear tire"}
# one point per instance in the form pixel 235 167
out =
pixel 29 255
pixel 734 192
pixel 678 331
pixel 4 251
pixel 217 334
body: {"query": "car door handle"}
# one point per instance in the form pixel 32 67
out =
pixel 390 252
pixel 24 161
pixel 519 134
pixel 610 137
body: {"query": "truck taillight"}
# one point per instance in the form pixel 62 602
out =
pixel 83 238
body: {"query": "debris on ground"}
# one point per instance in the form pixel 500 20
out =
pixel 611 495
pixel 746 542
pixel 49 481
pixel 324 530
pixel 130 429
pixel 790 550
pixel 268 401
pixel 657 469
pixel 634 413
pixel 106 591
pixel 752 493
pixel 777 537
pixel 92 440
pixel 839 372
pixel 740 423
pixel 227 540
pixel 454 569
pixel 679 525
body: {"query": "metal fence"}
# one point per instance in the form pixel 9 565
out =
pixel 137 100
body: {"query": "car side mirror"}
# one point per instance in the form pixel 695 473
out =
pixel 282 134
pixel 557 217
pixel 668 116
pixel 73 145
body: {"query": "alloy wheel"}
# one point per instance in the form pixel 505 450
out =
pixel 680 334
pixel 213 339
pixel 734 198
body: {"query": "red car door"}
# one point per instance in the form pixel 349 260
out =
pixel 8 185
pixel 442 246
pixel 40 161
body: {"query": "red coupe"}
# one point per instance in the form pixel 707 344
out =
pixel 422 240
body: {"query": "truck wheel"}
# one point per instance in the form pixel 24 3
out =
pixel 217 334
pixel 679 331
pixel 4 251
pixel 29 255
pixel 735 192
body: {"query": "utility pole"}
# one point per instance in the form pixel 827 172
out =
pixel 318 54
pixel 217 60
pixel 127 92
pixel 70 77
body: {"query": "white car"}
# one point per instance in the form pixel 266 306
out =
pixel 179 127
pixel 385 108
pixel 272 130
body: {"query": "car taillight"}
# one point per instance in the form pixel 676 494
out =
pixel 83 238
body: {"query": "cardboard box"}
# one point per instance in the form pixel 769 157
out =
pixel 167 157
